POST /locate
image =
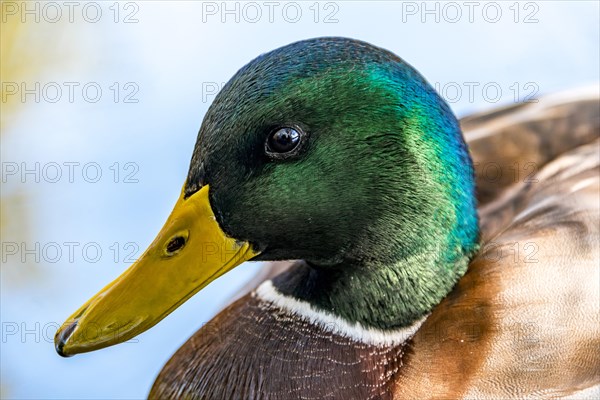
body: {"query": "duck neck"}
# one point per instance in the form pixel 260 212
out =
pixel 373 295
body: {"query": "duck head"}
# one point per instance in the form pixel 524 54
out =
pixel 331 151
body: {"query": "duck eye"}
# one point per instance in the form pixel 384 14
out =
pixel 283 140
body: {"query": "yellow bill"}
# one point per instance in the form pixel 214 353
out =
pixel 190 251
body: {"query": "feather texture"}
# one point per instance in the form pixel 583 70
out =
pixel 522 323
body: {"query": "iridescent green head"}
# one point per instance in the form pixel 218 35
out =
pixel 329 151
pixel 339 153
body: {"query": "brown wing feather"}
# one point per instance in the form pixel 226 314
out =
pixel 510 145
pixel 524 320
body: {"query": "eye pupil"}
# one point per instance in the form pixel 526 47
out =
pixel 175 244
pixel 283 140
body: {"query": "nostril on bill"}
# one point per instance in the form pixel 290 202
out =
pixel 175 244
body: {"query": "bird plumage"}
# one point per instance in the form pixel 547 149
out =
pixel 405 286
pixel 523 321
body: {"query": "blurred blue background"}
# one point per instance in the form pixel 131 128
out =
pixel 158 65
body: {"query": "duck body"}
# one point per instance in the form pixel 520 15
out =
pixel 339 154
pixel 523 322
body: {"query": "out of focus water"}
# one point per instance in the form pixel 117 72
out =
pixel 67 231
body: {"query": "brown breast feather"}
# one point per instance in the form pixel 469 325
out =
pixel 524 320
pixel 253 350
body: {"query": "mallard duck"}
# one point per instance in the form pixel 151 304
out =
pixel 339 154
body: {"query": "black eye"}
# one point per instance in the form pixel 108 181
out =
pixel 283 140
